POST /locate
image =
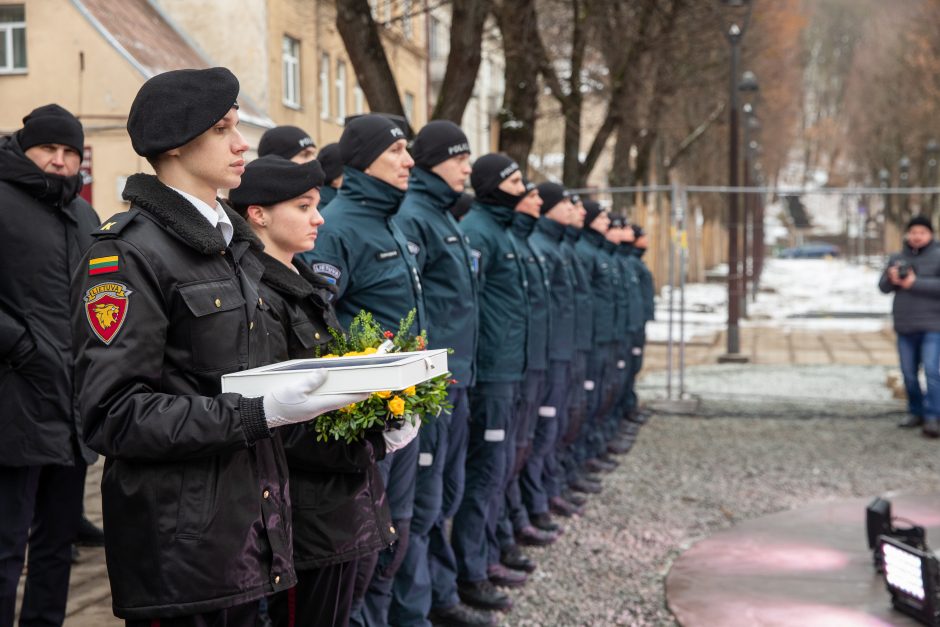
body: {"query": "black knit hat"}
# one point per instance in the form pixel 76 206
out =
pixel 592 209
pixel 284 141
pixel 332 162
pixel 176 107
pixel 367 137
pixel 919 221
pixel 437 142
pixel 51 124
pixel 273 179
pixel 489 171
pixel 618 222
pixel 552 194
pixel 638 231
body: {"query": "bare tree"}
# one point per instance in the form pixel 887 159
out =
pixel 518 24
pixel 463 61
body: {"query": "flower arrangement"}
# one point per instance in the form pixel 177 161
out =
pixel 426 399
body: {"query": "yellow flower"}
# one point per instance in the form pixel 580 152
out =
pixel 369 351
pixel 351 354
pixel 397 405
pixel 410 391
pixel 348 409
pixel 384 393
pixel 329 356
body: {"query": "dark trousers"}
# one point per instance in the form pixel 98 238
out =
pixel 491 407
pixel 551 412
pixel 553 474
pixel 411 591
pixel 577 409
pixel 442 563
pixel 240 616
pixel 527 408
pixel 322 598
pixel 41 507
pixel 398 472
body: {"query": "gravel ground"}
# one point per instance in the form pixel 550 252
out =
pixel 689 477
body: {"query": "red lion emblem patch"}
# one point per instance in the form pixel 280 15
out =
pixel 106 309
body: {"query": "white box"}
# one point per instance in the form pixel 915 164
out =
pixel 345 375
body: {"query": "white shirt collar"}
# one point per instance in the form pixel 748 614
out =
pixel 215 215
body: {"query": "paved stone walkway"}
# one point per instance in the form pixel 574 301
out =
pixel 90 601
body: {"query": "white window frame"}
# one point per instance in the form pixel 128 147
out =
pixel 359 100
pixel 325 85
pixel 340 84
pixel 6 40
pixel 290 67
pixel 408 103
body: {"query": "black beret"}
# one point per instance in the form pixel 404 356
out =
pixel 437 142
pixel 919 221
pixel 332 162
pixel 366 137
pixel 273 179
pixel 284 141
pixel 176 107
pixel 592 209
pixel 51 124
pixel 489 171
pixel 552 194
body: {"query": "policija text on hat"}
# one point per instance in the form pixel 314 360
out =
pixel 166 301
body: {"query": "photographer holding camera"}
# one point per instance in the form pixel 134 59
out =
pixel 914 275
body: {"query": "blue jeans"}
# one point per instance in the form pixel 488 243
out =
pixel 914 350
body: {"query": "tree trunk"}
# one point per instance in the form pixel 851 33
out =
pixel 463 61
pixel 364 46
pixel 519 29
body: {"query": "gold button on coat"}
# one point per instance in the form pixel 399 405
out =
pixel 265 494
pixel 277 579
pixel 218 303
pixel 391 529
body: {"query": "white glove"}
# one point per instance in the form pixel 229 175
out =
pixel 400 438
pixel 297 402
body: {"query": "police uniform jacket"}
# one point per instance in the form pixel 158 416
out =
pixel 635 314
pixel 646 285
pixel 340 512
pixel 597 264
pixel 584 302
pixel 538 292
pixel 621 297
pixel 45 227
pixel 501 352
pixel 196 513
pixel 327 194
pixel 362 252
pixel 446 269
pixel 547 240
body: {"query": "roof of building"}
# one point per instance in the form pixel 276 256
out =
pixel 152 43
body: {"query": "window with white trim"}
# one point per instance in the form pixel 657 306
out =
pixel 409 107
pixel 359 99
pixel 12 39
pixel 340 91
pixel 290 63
pixel 325 85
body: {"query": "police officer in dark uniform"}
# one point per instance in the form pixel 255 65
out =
pixel 44 229
pixel 194 486
pixel 340 512
pixel 365 255
pixel 332 162
pixel 648 292
pixel 426 582
pixel 501 362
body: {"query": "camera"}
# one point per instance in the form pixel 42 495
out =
pixel 904 269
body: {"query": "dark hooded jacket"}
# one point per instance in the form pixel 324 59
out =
pixel 327 194
pixel 45 227
pixel 597 264
pixel 917 309
pixel 538 291
pixel 547 240
pixel 584 301
pixel 446 268
pixel 194 491
pixel 340 511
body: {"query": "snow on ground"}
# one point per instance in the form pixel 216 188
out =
pixel 817 294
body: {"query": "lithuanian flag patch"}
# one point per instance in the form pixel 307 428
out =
pixel 103 265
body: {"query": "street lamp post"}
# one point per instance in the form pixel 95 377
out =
pixel 734 33
pixel 748 86
pixel 884 180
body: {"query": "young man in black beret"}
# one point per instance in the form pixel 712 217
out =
pixel 331 160
pixel 44 228
pixel 164 303
pixel 501 362
pixel 290 142
pixel 365 255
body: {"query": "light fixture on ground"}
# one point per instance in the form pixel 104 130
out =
pixel 913 579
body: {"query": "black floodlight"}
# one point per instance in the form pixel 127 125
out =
pixel 912 576
pixel 877 521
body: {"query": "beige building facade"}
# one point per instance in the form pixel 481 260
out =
pixel 92 56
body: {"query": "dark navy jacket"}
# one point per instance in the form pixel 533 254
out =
pixel 365 255
pixel 584 302
pixel 636 317
pixel 647 288
pixel 597 263
pixel 620 297
pixel 501 351
pixel 547 240
pixel 538 290
pixel 327 194
pixel 446 268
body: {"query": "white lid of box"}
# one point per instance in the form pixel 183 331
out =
pixel 345 375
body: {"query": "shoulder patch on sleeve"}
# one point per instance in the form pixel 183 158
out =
pixel 116 223
pixel 106 307
pixel 330 272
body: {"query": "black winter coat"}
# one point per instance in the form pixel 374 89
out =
pixel 194 492
pixel 45 227
pixel 340 511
